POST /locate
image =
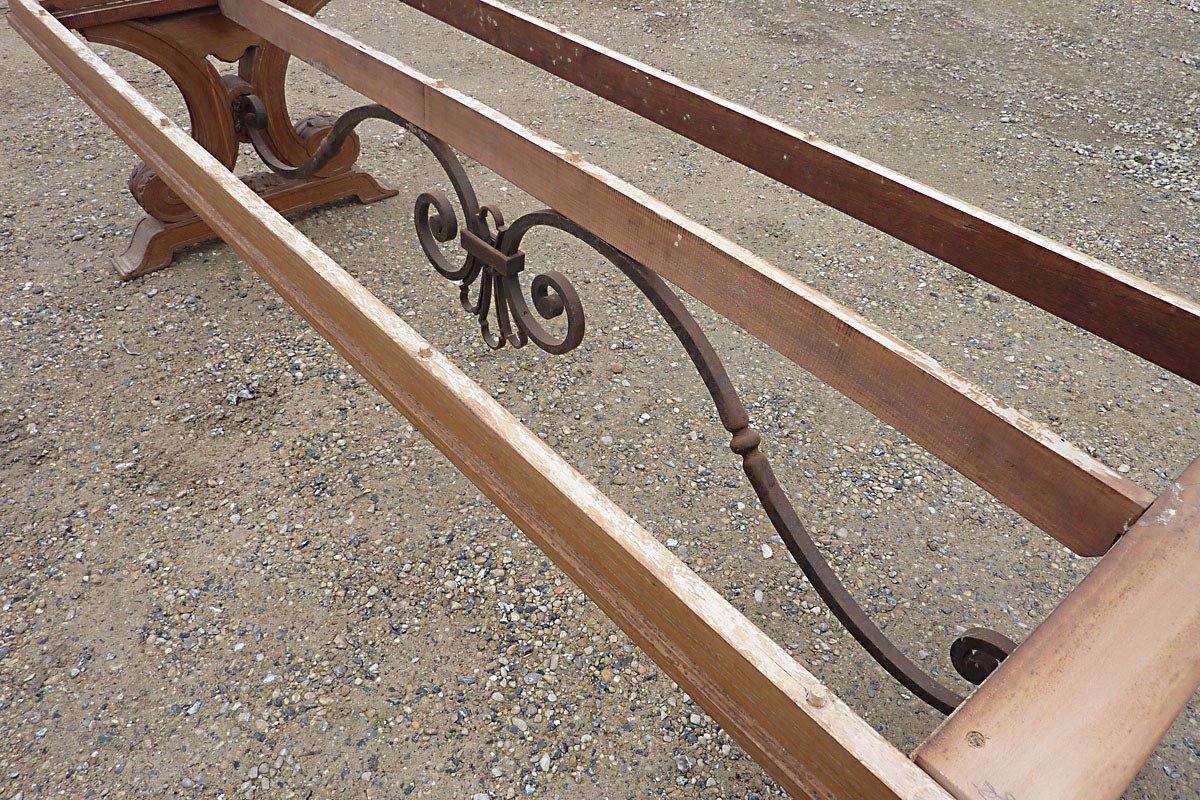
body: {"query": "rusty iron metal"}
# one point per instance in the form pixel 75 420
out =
pixel 978 652
pixel 493 259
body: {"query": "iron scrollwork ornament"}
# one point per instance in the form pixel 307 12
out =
pixel 493 262
pixel 493 258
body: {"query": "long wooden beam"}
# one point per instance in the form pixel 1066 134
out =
pixel 1157 325
pixel 1070 495
pixel 809 741
pixel 1160 326
pixel 1075 712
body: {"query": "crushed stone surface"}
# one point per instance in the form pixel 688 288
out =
pixel 229 569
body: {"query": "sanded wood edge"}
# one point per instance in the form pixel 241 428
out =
pixel 745 680
pixel 1075 712
pixel 1073 497
pixel 1160 326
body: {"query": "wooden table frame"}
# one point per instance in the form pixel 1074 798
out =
pixel 1050 722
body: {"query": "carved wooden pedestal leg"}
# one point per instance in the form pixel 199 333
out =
pixel 154 243
pixel 180 46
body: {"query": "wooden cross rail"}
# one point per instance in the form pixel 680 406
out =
pixel 1101 679
pixel 1137 315
pixel 1078 708
pixel 89 13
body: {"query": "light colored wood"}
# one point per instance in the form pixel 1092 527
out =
pixel 1070 495
pixel 1078 708
pixel 1143 318
pixel 747 682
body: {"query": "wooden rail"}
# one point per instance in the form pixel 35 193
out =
pixel 1145 319
pixel 808 740
pixel 1133 313
pixel 1068 494
pixel 86 13
pixel 1081 502
pixel 1078 708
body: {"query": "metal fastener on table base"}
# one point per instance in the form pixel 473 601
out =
pixel 495 260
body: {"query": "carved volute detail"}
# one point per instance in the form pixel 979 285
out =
pixel 184 46
pixel 180 45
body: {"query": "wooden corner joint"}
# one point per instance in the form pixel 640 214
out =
pixel 1078 708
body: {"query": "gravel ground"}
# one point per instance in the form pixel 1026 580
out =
pixel 230 569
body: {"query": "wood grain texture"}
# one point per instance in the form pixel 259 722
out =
pixel 1078 708
pixel 87 13
pixel 1070 495
pixel 746 681
pixel 1135 314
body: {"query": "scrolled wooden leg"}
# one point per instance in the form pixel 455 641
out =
pixel 154 243
pixel 180 46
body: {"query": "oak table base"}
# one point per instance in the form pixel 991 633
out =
pixel 180 44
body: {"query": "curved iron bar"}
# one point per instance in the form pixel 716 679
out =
pixel 745 442
pixel 978 652
pixel 500 287
pixel 497 256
